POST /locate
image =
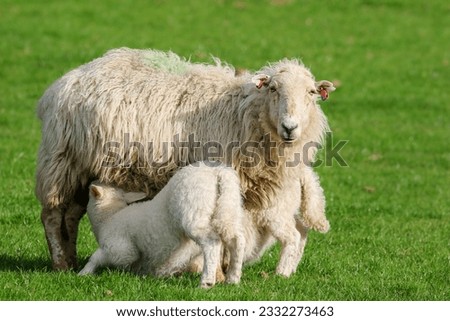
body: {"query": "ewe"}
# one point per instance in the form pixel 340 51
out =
pixel 200 205
pixel 257 123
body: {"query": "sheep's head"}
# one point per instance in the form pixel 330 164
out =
pixel 291 94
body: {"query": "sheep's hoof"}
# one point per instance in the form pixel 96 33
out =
pixel 61 266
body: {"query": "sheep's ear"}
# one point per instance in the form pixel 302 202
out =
pixel 96 191
pixel 131 197
pixel 324 87
pixel 261 80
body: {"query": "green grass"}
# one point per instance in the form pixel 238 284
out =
pixel 389 209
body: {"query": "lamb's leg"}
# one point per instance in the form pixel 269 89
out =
pixel 98 259
pixel 289 237
pixel 211 249
pixel 312 205
pixel 179 258
pixel 211 253
pixel 237 249
pixel 195 265
pixel 303 236
pixel 121 253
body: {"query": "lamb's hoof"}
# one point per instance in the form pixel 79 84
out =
pixel 322 226
pixel 285 272
pixel 234 279
pixel 220 277
pixel 194 267
pixel 84 272
pixel 206 285
pixel 160 273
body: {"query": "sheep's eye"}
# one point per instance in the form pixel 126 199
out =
pixel 312 92
pixel 272 89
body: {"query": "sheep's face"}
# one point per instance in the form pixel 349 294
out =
pixel 291 95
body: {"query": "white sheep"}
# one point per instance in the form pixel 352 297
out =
pixel 201 206
pixel 257 123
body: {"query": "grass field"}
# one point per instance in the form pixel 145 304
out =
pixel 389 208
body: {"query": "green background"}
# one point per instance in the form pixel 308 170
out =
pixel 389 208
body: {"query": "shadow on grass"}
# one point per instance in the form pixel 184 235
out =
pixel 17 263
pixel 10 263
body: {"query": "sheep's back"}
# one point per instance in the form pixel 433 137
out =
pixel 143 97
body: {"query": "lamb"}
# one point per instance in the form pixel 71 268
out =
pixel 199 203
pixel 256 123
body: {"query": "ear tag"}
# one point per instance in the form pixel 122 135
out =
pixel 261 83
pixel 260 80
pixel 323 93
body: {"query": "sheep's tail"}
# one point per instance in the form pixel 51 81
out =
pixel 229 206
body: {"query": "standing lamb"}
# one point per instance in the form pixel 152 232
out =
pixel 199 203
pixel 257 123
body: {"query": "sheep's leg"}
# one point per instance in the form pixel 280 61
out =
pixel 52 219
pixel 312 205
pixel 98 259
pixel 61 231
pixel 290 239
pixel 72 218
pixel 211 253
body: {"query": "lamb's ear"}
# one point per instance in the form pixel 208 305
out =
pixel 261 80
pixel 131 197
pixel 324 87
pixel 95 191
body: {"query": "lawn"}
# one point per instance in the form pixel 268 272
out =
pixel 389 208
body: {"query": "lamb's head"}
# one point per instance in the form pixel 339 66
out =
pixel 290 95
pixel 106 199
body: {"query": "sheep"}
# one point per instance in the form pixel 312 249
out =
pixel 200 206
pixel 258 123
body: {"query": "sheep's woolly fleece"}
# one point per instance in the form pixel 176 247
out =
pixel 153 99
pixel 150 97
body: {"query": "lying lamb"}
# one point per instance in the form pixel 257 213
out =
pixel 198 210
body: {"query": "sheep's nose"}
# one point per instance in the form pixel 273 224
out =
pixel 289 128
